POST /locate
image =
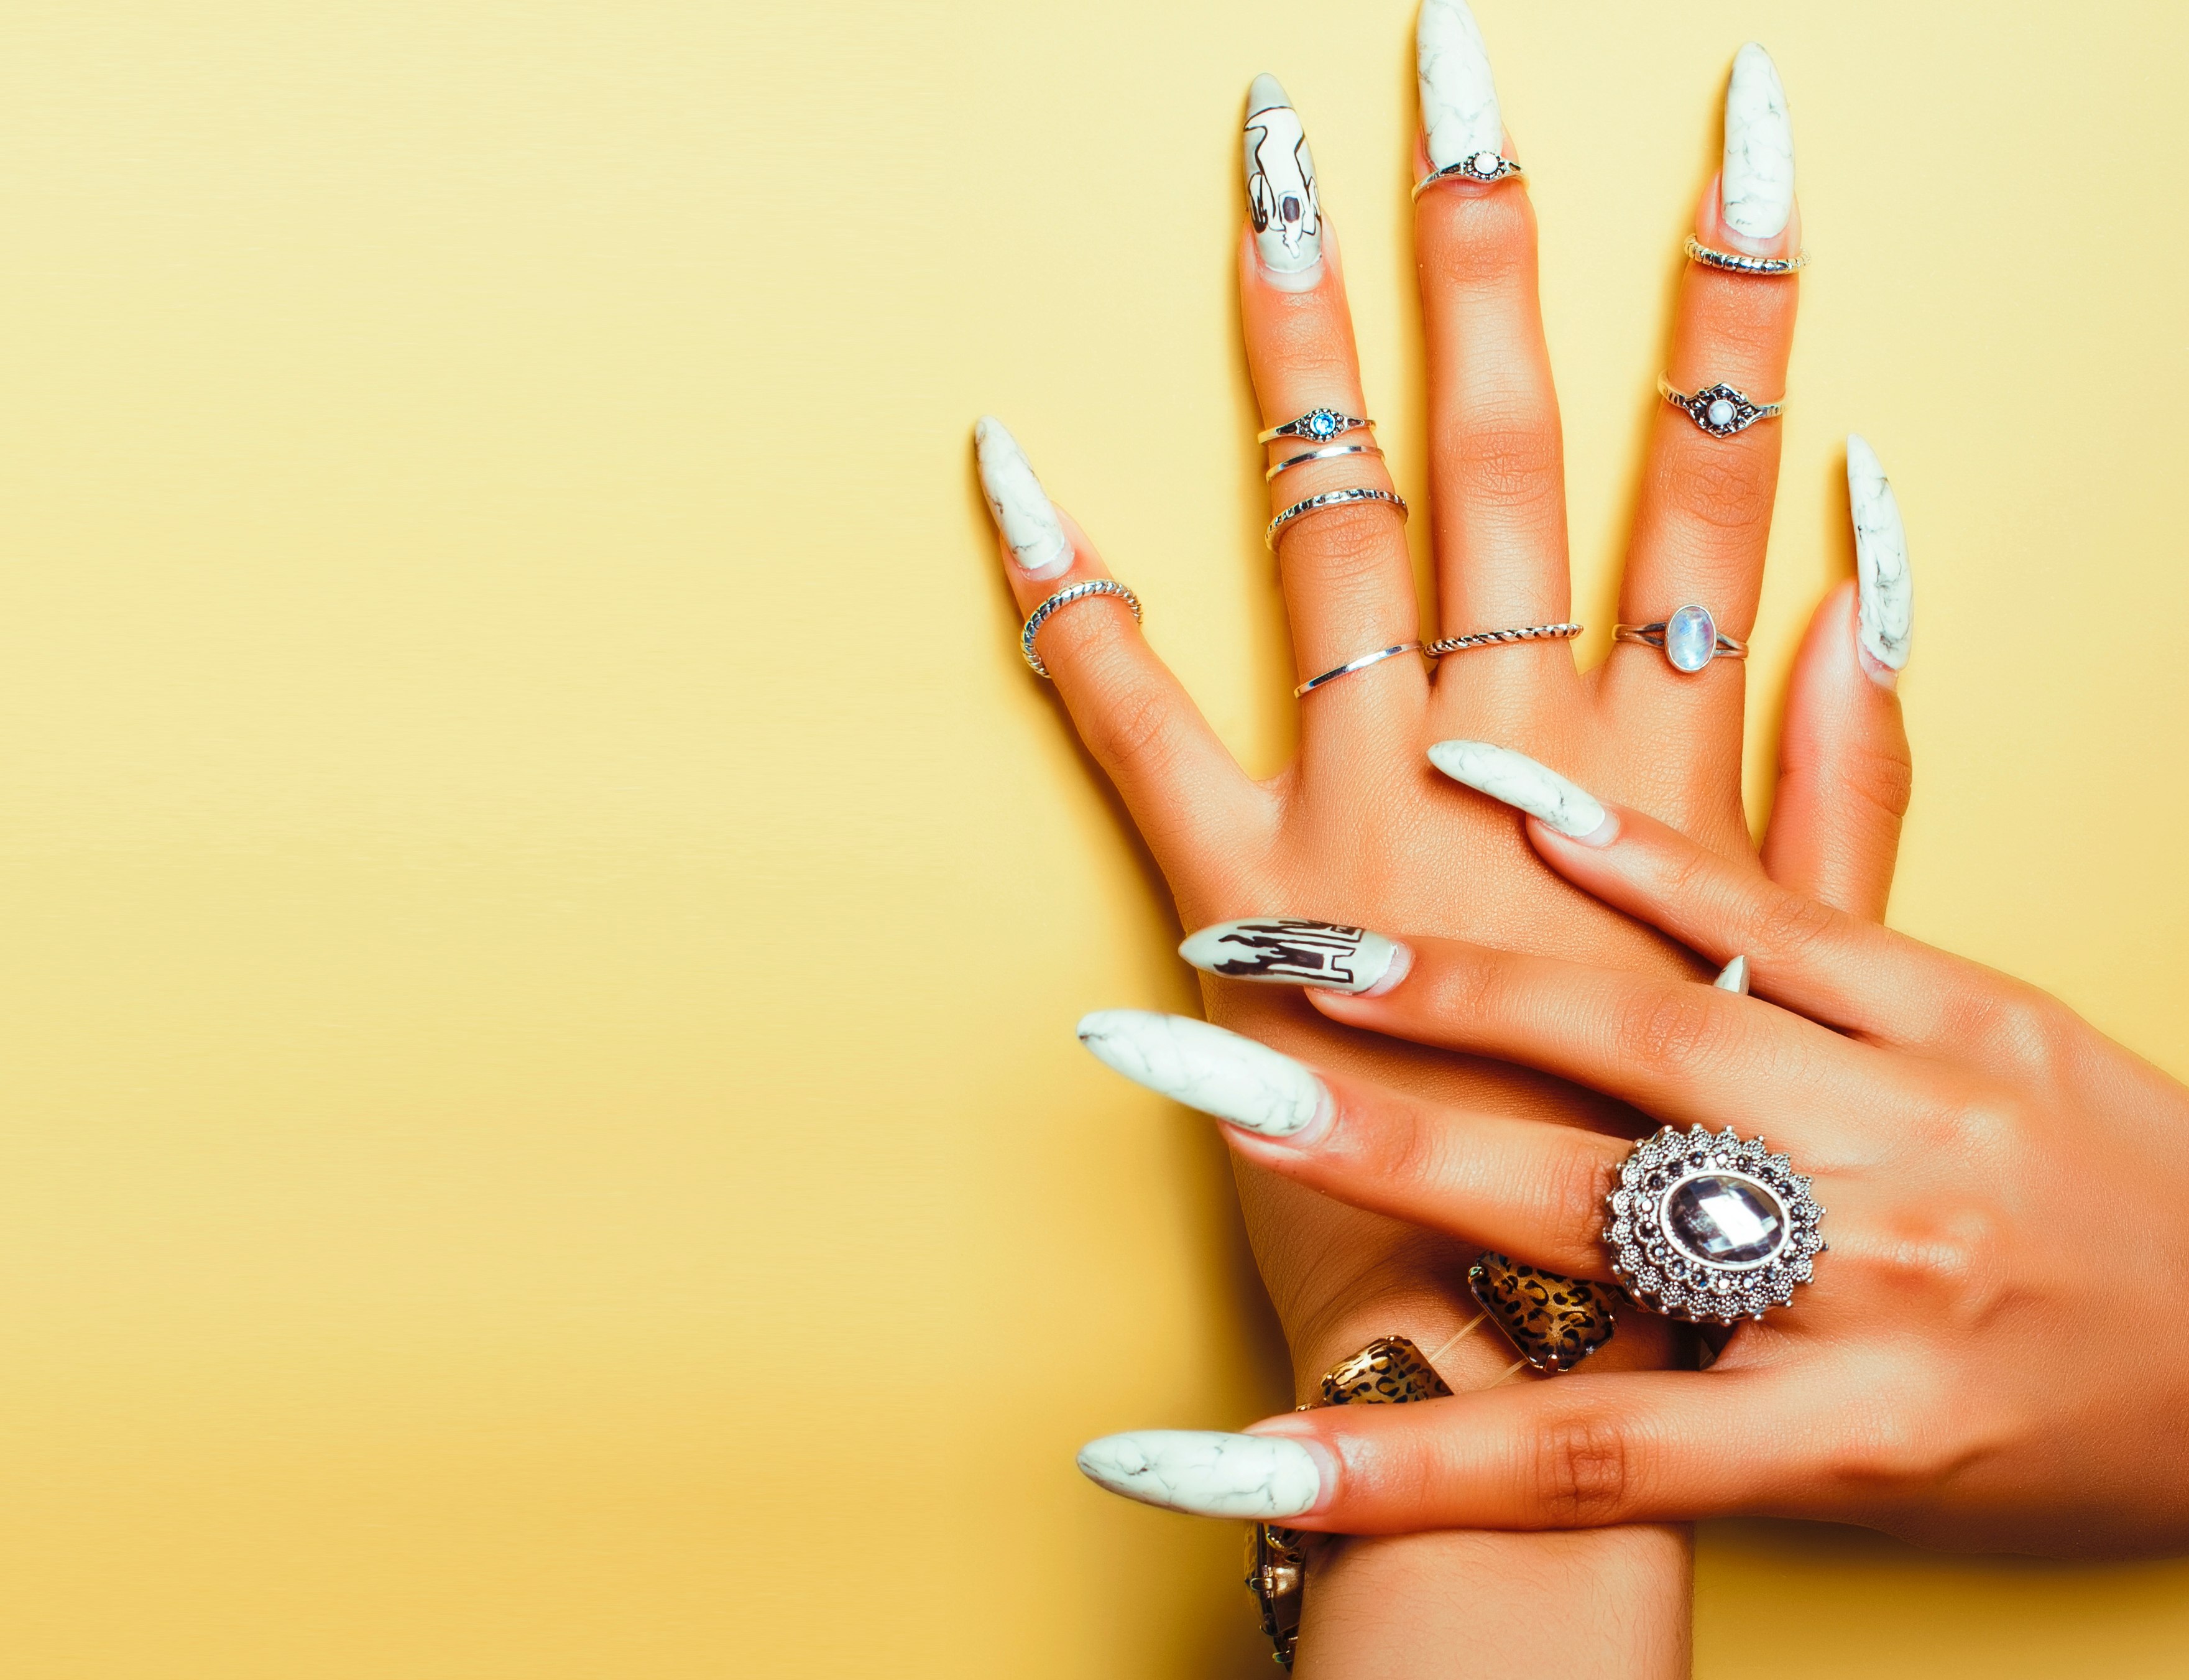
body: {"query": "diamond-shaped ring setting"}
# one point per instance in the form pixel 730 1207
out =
pixel 1316 426
pixel 1719 410
pixel 1479 166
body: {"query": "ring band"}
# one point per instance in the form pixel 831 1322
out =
pixel 1710 1229
pixel 1316 504
pixel 1086 590
pixel 1491 638
pixel 1719 410
pixel 1690 639
pixel 1330 454
pixel 1352 665
pixel 1481 167
pixel 1316 426
pixel 1733 262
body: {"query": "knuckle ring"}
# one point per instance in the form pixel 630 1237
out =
pixel 1690 638
pixel 1710 1229
pixel 1317 503
pixel 1718 410
pixel 1735 263
pixel 1352 665
pixel 1316 426
pixel 1085 590
pixel 1330 454
pixel 1480 167
pixel 1491 638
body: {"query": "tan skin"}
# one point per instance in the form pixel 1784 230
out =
pixel 1359 829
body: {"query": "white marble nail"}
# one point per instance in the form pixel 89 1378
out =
pixel 1281 192
pixel 1733 977
pixel 1206 1473
pixel 1019 504
pixel 1459 99
pixel 1288 951
pixel 1521 782
pixel 1207 1068
pixel 1885 596
pixel 1756 189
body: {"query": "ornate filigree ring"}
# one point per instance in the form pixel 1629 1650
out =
pixel 1482 166
pixel 1709 1228
pixel 1316 426
pixel 1718 410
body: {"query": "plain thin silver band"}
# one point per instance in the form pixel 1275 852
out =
pixel 1352 665
pixel 1507 169
pixel 1733 262
pixel 1330 454
pixel 1085 590
pixel 1492 638
pixel 1652 634
pixel 1316 504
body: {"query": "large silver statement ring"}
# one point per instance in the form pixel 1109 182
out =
pixel 1718 410
pixel 1483 165
pixel 1709 1228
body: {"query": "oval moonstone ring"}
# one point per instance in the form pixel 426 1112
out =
pixel 1690 638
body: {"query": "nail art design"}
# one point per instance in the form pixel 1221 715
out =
pixel 1885 595
pixel 1756 189
pixel 1285 951
pixel 1207 1068
pixel 1521 782
pixel 1018 503
pixel 1459 99
pixel 1206 1473
pixel 1733 977
pixel 1280 182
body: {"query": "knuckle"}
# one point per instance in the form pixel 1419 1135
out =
pixel 1664 1028
pixel 1951 1265
pixel 1725 484
pixel 1884 1443
pixel 1885 775
pixel 1511 463
pixel 1473 240
pixel 1130 723
pixel 1584 1472
pixel 1348 548
pixel 1788 925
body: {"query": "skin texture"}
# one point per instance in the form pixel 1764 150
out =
pixel 1986 1357
pixel 1359 829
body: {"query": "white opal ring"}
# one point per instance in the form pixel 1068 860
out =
pixel 1738 263
pixel 1709 1228
pixel 1690 638
pixel 1482 167
pixel 1718 410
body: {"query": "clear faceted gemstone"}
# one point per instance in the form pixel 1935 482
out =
pixel 1322 424
pixel 1724 1219
pixel 1720 413
pixel 1690 638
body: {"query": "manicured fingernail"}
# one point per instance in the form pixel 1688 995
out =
pixel 1018 503
pixel 1285 951
pixel 1459 99
pixel 1756 189
pixel 1207 1068
pixel 1526 785
pixel 1885 596
pixel 1281 192
pixel 1206 1473
pixel 1733 977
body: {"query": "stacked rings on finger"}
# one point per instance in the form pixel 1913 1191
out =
pixel 1492 638
pixel 1690 638
pixel 1084 591
pixel 1718 410
pixel 1735 263
pixel 1710 1229
pixel 1482 167
pixel 1317 503
pixel 1331 454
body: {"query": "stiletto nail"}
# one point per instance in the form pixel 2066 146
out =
pixel 1285 951
pixel 1885 596
pixel 1206 1473
pixel 1280 193
pixel 1207 1068
pixel 1459 99
pixel 1756 189
pixel 1018 503
pixel 1733 977
pixel 1525 785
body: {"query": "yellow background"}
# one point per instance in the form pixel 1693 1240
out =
pixel 543 916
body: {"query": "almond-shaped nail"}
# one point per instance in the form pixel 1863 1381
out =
pixel 1885 596
pixel 1289 951
pixel 1525 785
pixel 1459 99
pixel 1281 192
pixel 1205 1473
pixel 1757 187
pixel 1018 503
pixel 1206 1067
pixel 1733 977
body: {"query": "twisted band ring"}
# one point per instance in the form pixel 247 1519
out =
pixel 1316 504
pixel 1491 638
pixel 1735 262
pixel 1084 591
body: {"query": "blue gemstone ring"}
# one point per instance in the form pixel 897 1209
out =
pixel 1316 426
pixel 1690 638
pixel 1704 1227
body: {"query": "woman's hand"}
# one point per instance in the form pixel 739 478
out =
pixel 1988 1356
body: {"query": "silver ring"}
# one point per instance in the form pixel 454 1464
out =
pixel 1352 665
pixel 1482 166
pixel 1330 454
pixel 1316 504
pixel 1491 638
pixel 1718 410
pixel 1316 426
pixel 1710 1229
pixel 1690 638
pixel 1063 597
pixel 1733 262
